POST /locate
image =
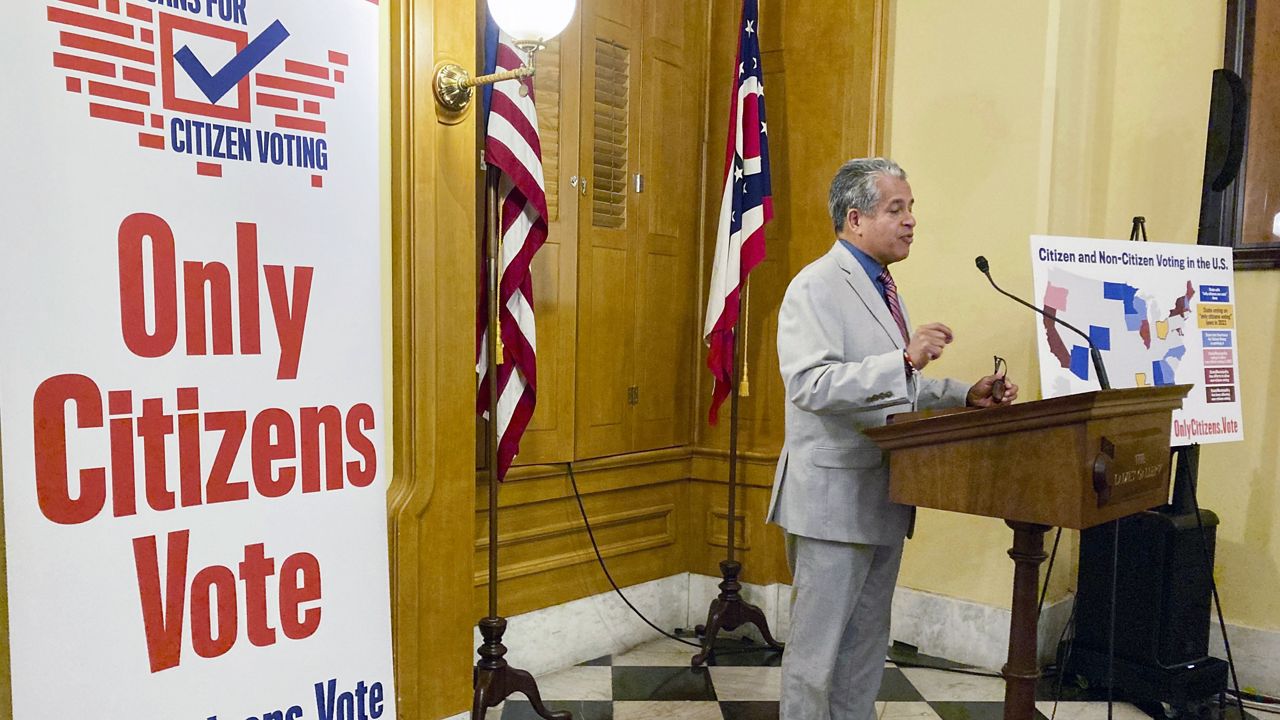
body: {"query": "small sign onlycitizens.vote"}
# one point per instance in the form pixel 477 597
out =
pixel 191 379
pixel 1160 313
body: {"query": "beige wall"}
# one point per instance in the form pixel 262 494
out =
pixel 1068 117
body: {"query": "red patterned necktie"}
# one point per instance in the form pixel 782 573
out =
pixel 891 298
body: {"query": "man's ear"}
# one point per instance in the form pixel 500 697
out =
pixel 853 217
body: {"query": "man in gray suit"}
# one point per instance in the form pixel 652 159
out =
pixel 848 361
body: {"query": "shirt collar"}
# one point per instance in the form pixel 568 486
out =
pixel 868 263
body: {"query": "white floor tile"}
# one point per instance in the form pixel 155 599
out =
pixel 674 710
pixel 663 651
pixel 747 683
pixel 905 711
pixel 578 683
pixel 942 685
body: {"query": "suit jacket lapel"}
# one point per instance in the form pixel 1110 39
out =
pixel 867 292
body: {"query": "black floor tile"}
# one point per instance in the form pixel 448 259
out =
pixel 749 710
pixel 746 656
pixel 908 655
pixel 971 711
pixel 581 709
pixel 1070 690
pixel 895 687
pixel 662 683
pixel 742 652
pixel 602 660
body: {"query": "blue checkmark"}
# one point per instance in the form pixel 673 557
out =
pixel 215 86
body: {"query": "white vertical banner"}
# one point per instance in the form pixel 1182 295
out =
pixel 191 374
pixel 1160 313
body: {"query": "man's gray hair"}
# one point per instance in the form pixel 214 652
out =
pixel 854 186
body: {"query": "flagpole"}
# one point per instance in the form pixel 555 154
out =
pixel 739 247
pixel 730 610
pixel 494 680
pixel 494 340
pixel 733 451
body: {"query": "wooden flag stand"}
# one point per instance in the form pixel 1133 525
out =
pixel 729 610
pixel 494 680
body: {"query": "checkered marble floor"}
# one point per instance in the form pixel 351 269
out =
pixel 656 682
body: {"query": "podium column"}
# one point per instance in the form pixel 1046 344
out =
pixel 1023 668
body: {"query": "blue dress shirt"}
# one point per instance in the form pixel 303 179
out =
pixel 870 265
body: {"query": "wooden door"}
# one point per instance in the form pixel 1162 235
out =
pixel 667 319
pixel 608 222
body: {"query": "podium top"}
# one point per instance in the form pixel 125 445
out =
pixel 1073 461
pixel 930 426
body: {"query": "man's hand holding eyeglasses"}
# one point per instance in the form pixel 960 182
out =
pixel 988 392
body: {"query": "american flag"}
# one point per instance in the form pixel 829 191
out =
pixel 512 146
pixel 745 208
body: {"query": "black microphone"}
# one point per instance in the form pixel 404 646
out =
pixel 1094 353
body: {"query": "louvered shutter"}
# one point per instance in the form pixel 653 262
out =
pixel 609 156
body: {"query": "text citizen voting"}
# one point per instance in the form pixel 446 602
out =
pixel 218 141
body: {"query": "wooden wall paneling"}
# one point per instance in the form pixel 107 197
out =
pixel 667 316
pixel 430 513
pixel 639 511
pixel 761 548
pixel 610 71
pixel 550 435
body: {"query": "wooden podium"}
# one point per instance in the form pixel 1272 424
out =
pixel 1074 462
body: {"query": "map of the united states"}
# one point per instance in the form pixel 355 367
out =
pixel 1141 335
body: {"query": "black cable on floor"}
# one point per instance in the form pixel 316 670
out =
pixel 959 671
pixel 600 558
pixel 577 494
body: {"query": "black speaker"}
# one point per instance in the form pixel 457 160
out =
pixel 1163 590
pixel 1224 150
pixel 1228 121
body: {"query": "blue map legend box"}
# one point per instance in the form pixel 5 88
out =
pixel 1215 293
pixel 1216 338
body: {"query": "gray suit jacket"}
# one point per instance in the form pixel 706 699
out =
pixel 840 354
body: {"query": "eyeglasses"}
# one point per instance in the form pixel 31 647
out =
pixel 997 387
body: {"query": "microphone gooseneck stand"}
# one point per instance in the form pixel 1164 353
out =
pixel 1095 355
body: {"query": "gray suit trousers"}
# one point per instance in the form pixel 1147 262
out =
pixel 843 594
